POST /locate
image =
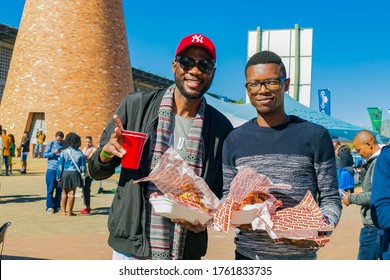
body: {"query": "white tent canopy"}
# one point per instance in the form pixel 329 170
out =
pixel 241 113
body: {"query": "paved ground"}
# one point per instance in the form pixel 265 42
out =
pixel 37 235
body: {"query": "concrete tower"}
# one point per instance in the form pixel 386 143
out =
pixel 69 70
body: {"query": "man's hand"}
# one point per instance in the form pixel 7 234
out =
pixel 196 227
pixel 114 146
pixel 345 200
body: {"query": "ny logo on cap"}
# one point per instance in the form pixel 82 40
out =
pixel 197 38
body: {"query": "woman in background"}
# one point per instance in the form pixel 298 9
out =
pixel 70 167
pixel 88 150
pixel 12 152
pixel 25 150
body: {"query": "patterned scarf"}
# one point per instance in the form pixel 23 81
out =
pixel 167 239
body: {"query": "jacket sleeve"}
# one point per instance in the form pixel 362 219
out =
pixel 380 195
pixel 48 153
pixel 60 167
pixel 83 166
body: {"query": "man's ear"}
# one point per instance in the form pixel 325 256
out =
pixel 174 65
pixel 286 84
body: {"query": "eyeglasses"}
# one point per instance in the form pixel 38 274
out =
pixel 272 84
pixel 204 65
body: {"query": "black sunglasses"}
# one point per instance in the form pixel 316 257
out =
pixel 204 65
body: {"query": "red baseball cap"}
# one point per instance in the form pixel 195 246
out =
pixel 198 40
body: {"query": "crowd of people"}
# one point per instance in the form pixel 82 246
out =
pixel 10 150
pixel 66 167
pixel 179 117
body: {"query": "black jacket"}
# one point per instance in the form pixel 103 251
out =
pixel 126 222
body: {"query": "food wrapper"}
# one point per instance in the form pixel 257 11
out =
pixel 173 176
pixel 304 221
pixel 245 182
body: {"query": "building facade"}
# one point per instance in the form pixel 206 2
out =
pixel 70 68
pixel 7 42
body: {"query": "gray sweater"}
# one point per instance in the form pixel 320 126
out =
pixel 298 153
pixel 363 198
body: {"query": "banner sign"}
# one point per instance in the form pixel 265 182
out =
pixel 324 101
pixel 376 118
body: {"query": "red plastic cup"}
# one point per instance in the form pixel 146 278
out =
pixel 133 143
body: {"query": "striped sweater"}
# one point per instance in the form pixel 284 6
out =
pixel 299 153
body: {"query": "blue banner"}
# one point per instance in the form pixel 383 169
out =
pixel 324 101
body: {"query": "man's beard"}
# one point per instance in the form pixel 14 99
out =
pixel 179 85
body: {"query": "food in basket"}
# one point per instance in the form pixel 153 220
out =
pixel 248 208
pixel 255 197
pixel 190 198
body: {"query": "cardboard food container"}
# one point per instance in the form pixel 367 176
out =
pixel 244 216
pixel 173 210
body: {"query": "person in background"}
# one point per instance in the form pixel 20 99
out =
pixel 12 152
pixel 177 117
pixel 1 150
pixel 366 146
pixel 25 150
pixel 6 150
pixel 344 166
pixel 40 138
pixel 380 200
pixel 68 175
pixel 286 149
pixel 53 191
pixel 34 155
pixel 88 151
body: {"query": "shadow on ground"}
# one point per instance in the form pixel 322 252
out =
pixel 20 198
pixel 100 211
pixel 5 257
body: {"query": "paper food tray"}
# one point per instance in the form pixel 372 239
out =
pixel 245 216
pixel 170 209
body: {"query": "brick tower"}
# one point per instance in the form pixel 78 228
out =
pixel 69 70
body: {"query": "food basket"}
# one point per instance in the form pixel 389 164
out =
pixel 171 209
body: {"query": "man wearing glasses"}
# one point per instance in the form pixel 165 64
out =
pixel 288 150
pixel 179 117
pixel 53 190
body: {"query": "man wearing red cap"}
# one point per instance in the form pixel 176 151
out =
pixel 176 117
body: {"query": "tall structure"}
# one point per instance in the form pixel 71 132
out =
pixel 7 41
pixel 294 46
pixel 69 70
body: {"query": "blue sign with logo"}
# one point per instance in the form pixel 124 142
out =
pixel 324 101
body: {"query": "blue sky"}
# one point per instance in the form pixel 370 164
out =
pixel 351 50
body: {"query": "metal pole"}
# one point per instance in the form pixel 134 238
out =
pixel 258 46
pixel 297 62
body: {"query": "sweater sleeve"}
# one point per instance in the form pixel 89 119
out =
pixel 229 171
pixel 325 168
pixel 380 195
pixel 362 199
